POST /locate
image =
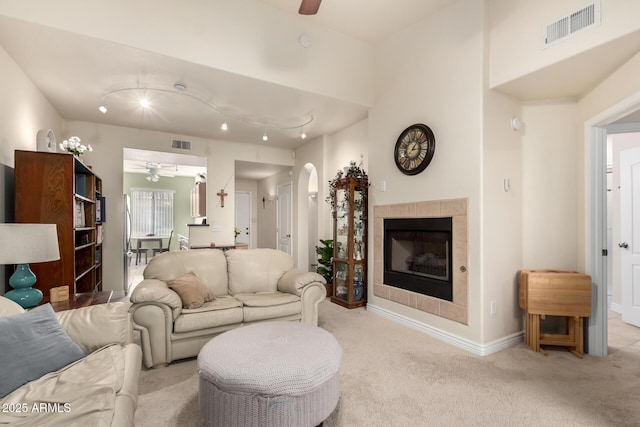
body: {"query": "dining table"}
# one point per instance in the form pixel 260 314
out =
pixel 141 240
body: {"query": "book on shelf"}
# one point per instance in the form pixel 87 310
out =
pixel 79 214
pixel 100 210
pixel 99 234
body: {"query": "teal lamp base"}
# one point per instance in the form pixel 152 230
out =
pixel 22 281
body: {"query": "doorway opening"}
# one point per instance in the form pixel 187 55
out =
pixel 243 218
pixel 596 131
pixel 307 216
pixel 623 162
pixel 152 172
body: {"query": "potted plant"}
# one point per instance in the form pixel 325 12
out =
pixel 355 171
pixel 325 262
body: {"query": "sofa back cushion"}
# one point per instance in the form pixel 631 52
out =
pixel 256 270
pixel 209 265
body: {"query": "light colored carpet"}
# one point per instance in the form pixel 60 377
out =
pixel 392 375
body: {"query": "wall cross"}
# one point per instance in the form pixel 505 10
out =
pixel 222 193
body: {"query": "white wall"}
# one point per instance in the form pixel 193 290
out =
pixel 549 170
pixel 516 33
pixel 443 88
pixel 23 112
pixel 502 195
pixel 267 213
pixel 246 37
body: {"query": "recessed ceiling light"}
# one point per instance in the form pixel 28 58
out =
pixel 224 126
pixel 103 109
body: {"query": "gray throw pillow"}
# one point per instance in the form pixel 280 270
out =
pixel 33 344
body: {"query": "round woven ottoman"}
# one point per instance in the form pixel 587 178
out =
pixel 270 374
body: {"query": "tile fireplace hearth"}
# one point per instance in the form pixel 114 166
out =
pixel 451 304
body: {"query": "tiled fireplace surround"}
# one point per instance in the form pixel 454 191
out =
pixel 455 310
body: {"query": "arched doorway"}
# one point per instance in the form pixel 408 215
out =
pixel 307 217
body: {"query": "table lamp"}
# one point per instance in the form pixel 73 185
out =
pixel 22 244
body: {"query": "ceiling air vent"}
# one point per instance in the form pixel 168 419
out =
pixel 181 145
pixel 568 25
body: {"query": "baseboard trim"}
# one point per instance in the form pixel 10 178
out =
pixel 617 308
pixel 463 343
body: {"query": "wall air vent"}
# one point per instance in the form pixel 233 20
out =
pixel 570 24
pixel 181 145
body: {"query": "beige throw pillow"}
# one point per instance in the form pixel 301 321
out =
pixel 191 290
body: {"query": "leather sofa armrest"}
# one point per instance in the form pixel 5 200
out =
pixel 155 323
pixel 156 291
pixel 295 280
pixel 98 325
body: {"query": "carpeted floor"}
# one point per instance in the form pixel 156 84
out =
pixel 392 375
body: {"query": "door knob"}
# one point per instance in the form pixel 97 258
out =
pixel 623 245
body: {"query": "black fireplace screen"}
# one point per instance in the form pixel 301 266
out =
pixel 418 255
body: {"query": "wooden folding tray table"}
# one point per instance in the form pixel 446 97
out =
pixel 555 293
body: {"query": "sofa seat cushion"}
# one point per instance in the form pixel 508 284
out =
pixel 222 311
pixel 82 393
pixel 269 305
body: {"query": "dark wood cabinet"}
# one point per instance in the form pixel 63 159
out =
pixel 350 243
pixel 199 200
pixel 57 188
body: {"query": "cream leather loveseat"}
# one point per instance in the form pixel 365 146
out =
pixel 248 285
pixel 98 387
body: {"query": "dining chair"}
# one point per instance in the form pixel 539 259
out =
pixel 157 251
pixel 139 252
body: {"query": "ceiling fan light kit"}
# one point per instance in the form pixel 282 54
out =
pixel 181 90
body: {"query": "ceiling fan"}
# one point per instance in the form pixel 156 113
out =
pixel 156 170
pixel 309 7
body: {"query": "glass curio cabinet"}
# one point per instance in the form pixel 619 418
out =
pixel 350 241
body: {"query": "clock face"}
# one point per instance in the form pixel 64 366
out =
pixel 414 149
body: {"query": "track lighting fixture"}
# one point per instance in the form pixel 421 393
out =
pixel 180 89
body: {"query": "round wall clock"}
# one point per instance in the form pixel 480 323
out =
pixel 414 149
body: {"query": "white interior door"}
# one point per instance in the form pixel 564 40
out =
pixel 284 207
pixel 630 234
pixel 243 217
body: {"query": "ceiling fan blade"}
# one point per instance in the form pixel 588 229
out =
pixel 309 7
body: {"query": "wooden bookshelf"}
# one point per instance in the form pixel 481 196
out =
pixel 57 188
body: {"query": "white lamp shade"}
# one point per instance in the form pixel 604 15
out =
pixel 27 243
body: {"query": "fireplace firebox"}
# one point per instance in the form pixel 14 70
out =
pixel 418 255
